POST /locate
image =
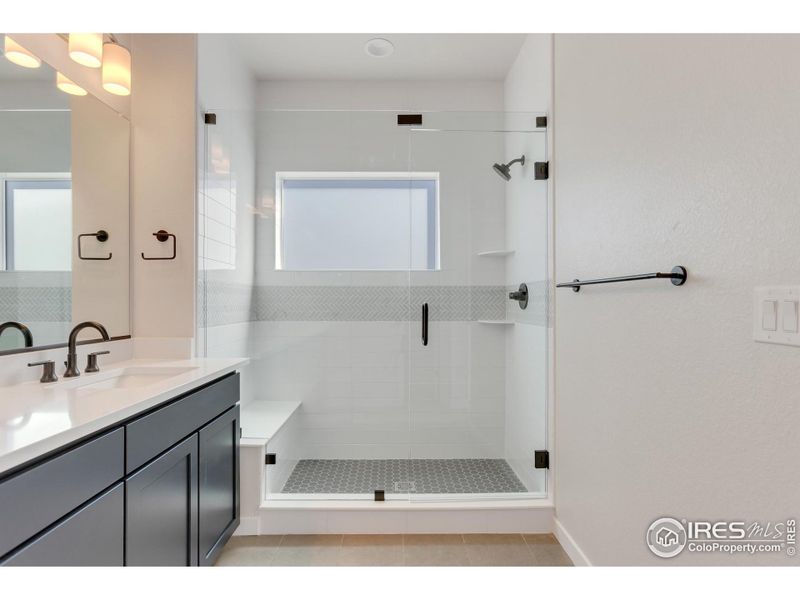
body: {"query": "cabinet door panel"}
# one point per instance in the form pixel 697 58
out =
pixel 46 492
pixel 219 484
pixel 161 516
pixel 149 436
pixel 91 537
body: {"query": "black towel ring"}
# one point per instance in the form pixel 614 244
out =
pixel 163 236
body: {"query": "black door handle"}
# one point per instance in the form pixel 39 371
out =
pixel 425 324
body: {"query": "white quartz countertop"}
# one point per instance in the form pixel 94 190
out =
pixel 37 418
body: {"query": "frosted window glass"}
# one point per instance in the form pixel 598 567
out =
pixel 357 223
pixel 39 226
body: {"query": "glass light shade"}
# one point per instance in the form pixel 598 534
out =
pixel 19 55
pixel 86 49
pixel 65 84
pixel 116 70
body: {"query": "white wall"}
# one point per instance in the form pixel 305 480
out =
pixel 527 89
pixel 36 94
pixel 380 95
pixel 163 172
pixel 674 150
pixel 34 141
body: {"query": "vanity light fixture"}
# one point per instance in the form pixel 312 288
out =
pixel 86 49
pixel 19 55
pixel 65 84
pixel 116 69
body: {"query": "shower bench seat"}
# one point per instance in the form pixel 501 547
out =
pixel 268 433
pixel 261 420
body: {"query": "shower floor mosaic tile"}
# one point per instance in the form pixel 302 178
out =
pixel 415 476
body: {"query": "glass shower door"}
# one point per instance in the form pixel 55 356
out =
pixel 477 384
pixel 331 326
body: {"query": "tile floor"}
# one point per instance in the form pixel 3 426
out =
pixel 511 549
pixel 412 475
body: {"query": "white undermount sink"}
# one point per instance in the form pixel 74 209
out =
pixel 124 378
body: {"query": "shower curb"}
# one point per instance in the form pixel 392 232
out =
pixel 400 516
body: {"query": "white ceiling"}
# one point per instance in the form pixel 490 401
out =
pixel 342 56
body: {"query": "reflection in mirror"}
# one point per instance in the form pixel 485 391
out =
pixel 63 172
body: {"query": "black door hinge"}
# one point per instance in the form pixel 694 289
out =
pixel 241 432
pixel 541 170
pixel 541 459
pixel 270 459
pixel 409 119
pixel 210 119
pixel 541 121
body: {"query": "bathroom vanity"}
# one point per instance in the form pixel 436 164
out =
pixel 135 466
pixel 118 462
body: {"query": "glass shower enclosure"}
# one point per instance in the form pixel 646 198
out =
pixel 363 261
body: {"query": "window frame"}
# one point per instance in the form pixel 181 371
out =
pixel 13 181
pixel 410 176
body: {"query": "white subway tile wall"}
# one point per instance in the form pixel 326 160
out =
pixel 347 344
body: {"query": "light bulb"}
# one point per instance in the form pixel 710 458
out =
pixel 86 49
pixel 116 70
pixel 19 55
pixel 65 84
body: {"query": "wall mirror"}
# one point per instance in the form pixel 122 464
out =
pixel 64 211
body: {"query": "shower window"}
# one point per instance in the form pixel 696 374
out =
pixel 28 242
pixel 364 221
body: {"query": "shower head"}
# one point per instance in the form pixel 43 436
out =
pixel 505 170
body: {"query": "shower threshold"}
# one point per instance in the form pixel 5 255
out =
pixel 403 476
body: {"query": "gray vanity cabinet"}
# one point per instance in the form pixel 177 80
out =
pixel 42 495
pixel 161 515
pixel 160 489
pixel 219 484
pixel 91 536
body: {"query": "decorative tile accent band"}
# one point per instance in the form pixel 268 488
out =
pixel 378 303
pixel 235 303
pixel 221 303
pixel 31 304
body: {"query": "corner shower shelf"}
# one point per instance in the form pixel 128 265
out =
pixel 496 253
pixel 487 322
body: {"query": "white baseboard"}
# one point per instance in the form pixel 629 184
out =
pixel 579 559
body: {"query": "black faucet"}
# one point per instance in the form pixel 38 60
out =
pixel 72 353
pixel 26 333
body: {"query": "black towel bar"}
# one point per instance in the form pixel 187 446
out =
pixel 677 276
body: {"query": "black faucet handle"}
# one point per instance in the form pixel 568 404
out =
pixel 520 296
pixel 91 360
pixel 48 372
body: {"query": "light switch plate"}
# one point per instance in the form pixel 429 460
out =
pixel 789 316
pixel 769 330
